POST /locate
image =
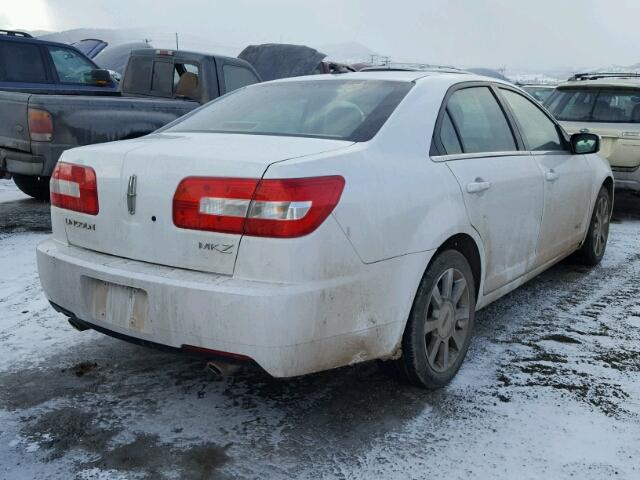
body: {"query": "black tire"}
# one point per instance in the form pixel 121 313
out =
pixel 595 245
pixel 421 340
pixel 36 187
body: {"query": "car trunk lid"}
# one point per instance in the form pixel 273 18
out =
pixel 142 227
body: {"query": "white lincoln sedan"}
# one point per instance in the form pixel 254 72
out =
pixel 311 223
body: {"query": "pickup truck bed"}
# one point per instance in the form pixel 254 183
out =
pixel 78 120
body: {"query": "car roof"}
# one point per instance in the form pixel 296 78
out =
pixel 33 40
pixel 631 80
pixel 395 75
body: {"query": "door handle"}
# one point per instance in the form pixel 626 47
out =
pixel 478 186
pixel 551 176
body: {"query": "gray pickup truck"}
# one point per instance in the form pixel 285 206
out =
pixel 158 86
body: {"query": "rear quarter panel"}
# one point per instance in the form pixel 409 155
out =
pixel 396 200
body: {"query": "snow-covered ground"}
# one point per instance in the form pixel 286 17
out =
pixel 550 389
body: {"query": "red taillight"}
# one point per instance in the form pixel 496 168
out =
pixel 74 187
pixel 282 208
pixel 40 125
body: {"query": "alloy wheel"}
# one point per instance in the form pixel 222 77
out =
pixel 448 318
pixel 601 226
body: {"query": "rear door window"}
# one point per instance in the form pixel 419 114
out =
pixel 237 77
pixel 539 132
pixel 21 62
pixel 480 121
pixel 71 66
pixel 162 79
pixel 449 137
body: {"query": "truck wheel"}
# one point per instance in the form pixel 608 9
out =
pixel 438 332
pixel 595 245
pixel 36 187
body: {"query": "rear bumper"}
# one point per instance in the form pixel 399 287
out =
pixel 21 163
pixel 287 329
pixel 40 162
pixel 627 179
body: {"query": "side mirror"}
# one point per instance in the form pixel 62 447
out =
pixel 585 143
pixel 100 77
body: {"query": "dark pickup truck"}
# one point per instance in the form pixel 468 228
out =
pixel 158 86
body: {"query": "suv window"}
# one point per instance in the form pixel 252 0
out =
pixel 236 77
pixel 596 105
pixel 480 121
pixel 21 62
pixel 71 66
pixel 540 133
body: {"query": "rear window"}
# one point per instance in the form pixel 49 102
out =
pixel 21 62
pixel 351 110
pixel 237 77
pixel 596 105
pixel 162 78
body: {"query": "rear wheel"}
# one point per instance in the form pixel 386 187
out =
pixel 36 187
pixel 595 245
pixel 439 328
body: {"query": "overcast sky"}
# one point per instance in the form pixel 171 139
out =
pixel 498 33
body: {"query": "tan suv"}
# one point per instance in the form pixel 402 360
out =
pixel 607 105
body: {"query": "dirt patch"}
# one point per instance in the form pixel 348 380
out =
pixel 148 456
pixel 62 430
pixel 82 368
pixel 32 387
pixel 557 337
pixel 624 361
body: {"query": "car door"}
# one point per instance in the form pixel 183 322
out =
pixel 501 183
pixel 567 178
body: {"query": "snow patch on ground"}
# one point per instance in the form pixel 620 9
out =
pixel 549 389
pixel 9 191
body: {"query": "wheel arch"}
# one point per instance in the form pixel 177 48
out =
pixel 467 246
pixel 609 185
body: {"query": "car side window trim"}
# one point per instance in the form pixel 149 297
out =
pixel 559 129
pixel 437 151
pixel 472 156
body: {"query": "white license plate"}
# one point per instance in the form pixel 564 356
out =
pixel 121 306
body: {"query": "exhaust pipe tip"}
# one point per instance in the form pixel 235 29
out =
pixel 221 369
